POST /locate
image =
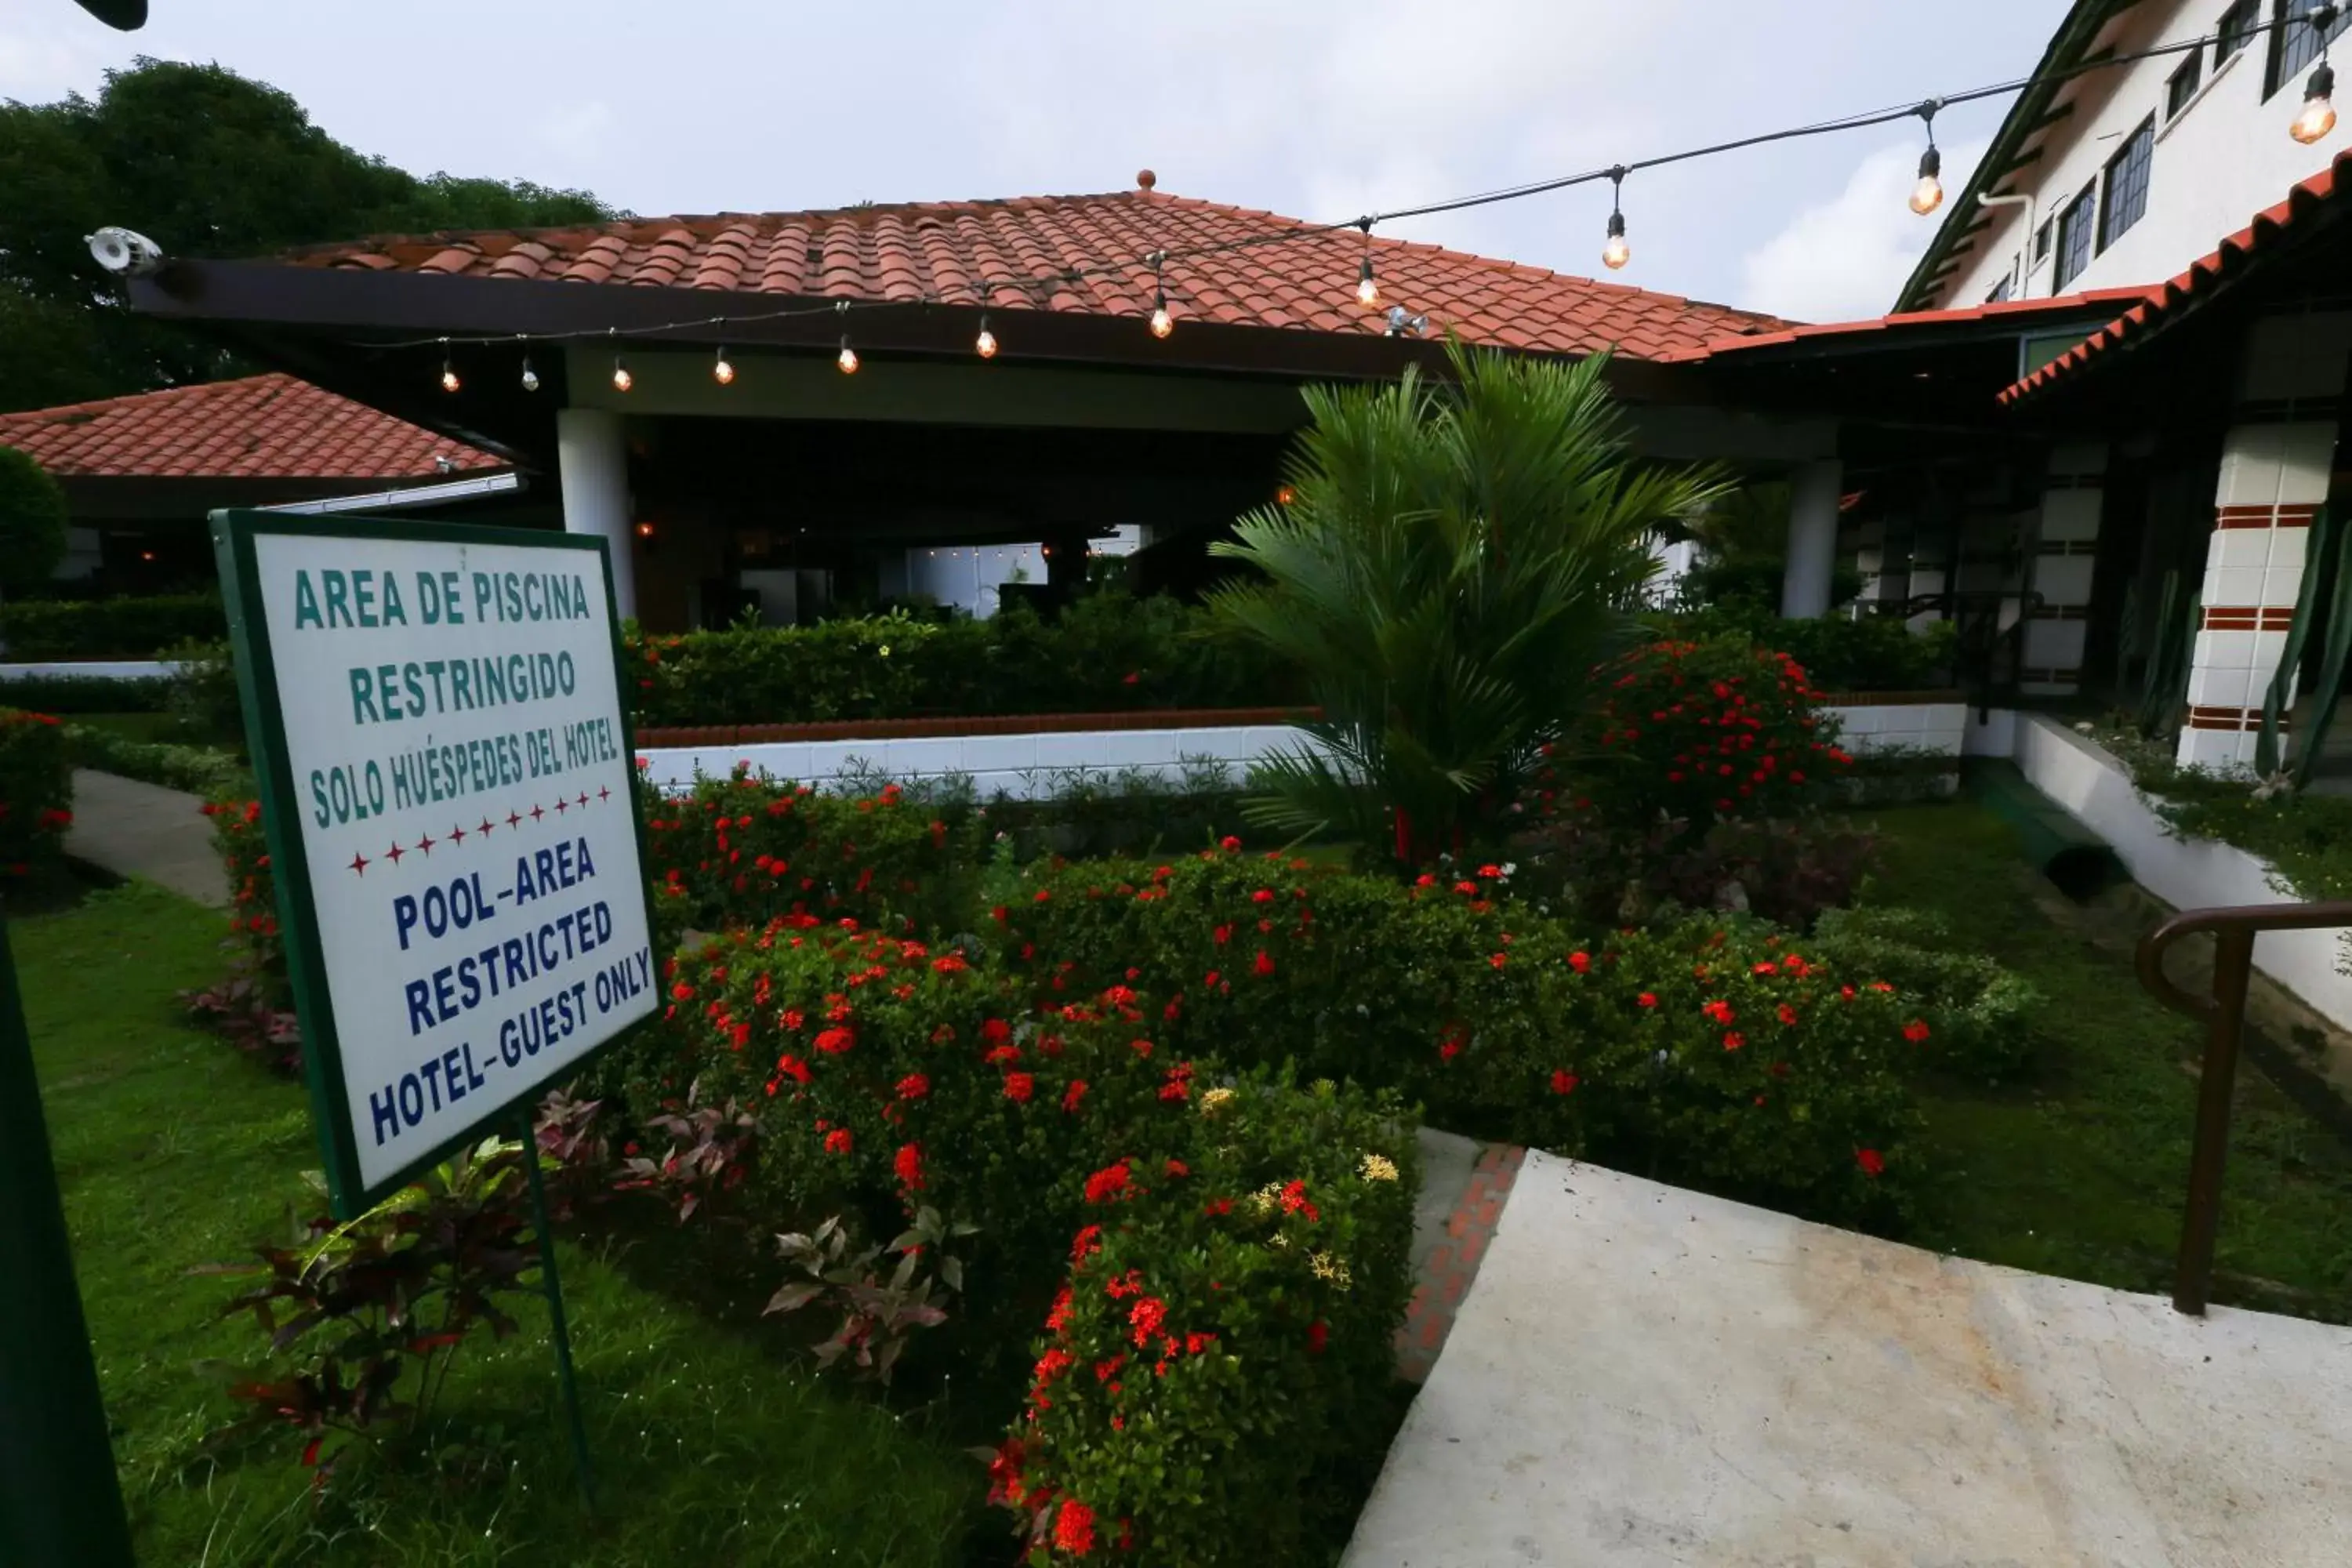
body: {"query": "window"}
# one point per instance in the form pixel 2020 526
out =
pixel 2234 31
pixel 2296 43
pixel 2126 201
pixel 2074 224
pixel 2182 85
pixel 2000 289
pixel 2041 241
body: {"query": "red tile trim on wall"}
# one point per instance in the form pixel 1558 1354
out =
pixel 1445 1278
pixel 2236 720
pixel 2248 617
pixel 2286 515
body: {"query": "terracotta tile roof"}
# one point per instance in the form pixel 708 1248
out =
pixel 2164 302
pixel 1011 256
pixel 262 427
pixel 2058 305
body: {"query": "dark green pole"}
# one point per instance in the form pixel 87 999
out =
pixel 562 1332
pixel 60 1505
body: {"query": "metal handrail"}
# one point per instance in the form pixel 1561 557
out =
pixel 2224 1014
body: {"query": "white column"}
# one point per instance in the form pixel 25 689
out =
pixel 1814 494
pixel 592 463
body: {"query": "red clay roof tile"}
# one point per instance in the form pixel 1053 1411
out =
pixel 1015 255
pixel 262 427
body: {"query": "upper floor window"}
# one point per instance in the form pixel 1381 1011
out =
pixel 2234 30
pixel 2000 289
pixel 2041 241
pixel 2294 42
pixel 2074 224
pixel 2126 200
pixel 2182 85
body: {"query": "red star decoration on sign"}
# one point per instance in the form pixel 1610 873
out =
pixel 426 844
pixel 603 794
pixel 484 828
pixel 536 814
pixel 359 862
pixel 393 854
pixel 513 820
pixel 584 798
pixel 457 833
pixel 561 805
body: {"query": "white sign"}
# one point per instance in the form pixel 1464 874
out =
pixel 460 773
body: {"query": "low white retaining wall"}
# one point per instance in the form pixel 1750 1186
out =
pixel 90 669
pixel 2187 873
pixel 1027 765
pixel 1019 765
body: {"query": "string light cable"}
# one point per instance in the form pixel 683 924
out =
pixel 2317 111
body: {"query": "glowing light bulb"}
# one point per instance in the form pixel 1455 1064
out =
pixel 847 358
pixel 530 376
pixel 1162 323
pixel 449 377
pixel 984 345
pixel 1616 253
pixel 721 371
pixel 1928 194
pixel 1367 290
pixel 622 379
pixel 2317 116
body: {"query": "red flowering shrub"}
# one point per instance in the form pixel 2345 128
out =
pixel 1504 1024
pixel 36 792
pixel 1226 1325
pixel 1691 731
pixel 742 850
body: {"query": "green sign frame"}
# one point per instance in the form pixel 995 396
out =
pixel 233 532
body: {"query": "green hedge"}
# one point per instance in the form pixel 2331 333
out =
pixel 67 695
pixel 1107 652
pixel 199 770
pixel 1876 653
pixel 36 792
pixel 108 629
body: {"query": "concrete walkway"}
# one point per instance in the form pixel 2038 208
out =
pixel 1640 1376
pixel 135 829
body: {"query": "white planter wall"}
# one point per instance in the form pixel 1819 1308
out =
pixel 2196 873
pixel 1031 764
pixel 94 669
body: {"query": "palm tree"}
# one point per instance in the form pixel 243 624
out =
pixel 1453 564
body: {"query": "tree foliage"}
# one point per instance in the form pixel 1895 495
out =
pixel 206 163
pixel 32 522
pixel 1453 564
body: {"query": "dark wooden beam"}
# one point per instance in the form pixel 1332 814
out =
pixel 2032 156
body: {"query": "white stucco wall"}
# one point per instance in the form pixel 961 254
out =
pixel 2223 159
pixel 1028 765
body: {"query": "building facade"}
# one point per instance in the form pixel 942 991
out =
pixel 2124 176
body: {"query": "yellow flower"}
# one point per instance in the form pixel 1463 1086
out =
pixel 1378 1168
pixel 1334 1270
pixel 1279 1238
pixel 1214 1100
pixel 1263 1199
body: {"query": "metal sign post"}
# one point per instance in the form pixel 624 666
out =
pixel 447 777
pixel 60 1504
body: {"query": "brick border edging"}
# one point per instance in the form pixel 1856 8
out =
pixel 1888 698
pixel 1446 1277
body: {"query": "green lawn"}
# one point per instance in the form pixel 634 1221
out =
pixel 2081 1171
pixel 712 1447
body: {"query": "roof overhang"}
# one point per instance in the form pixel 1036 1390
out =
pixel 2300 249
pixel 371 336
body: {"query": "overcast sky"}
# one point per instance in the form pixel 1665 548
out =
pixel 1318 109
